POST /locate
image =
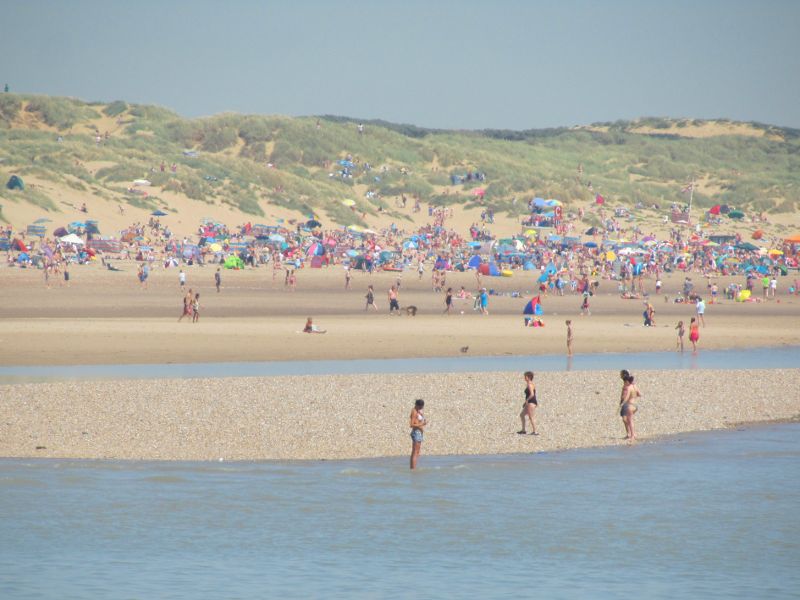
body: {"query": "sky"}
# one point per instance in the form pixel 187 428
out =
pixel 451 64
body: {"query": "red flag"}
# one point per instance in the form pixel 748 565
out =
pixel 599 199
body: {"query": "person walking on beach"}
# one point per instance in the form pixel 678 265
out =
pixel 448 301
pixel 187 307
pixel 681 332
pixel 182 279
pixel 700 309
pixel 417 423
pixel 484 301
pixel 585 305
pixel 196 308
pixel 394 305
pixel 569 337
pixel 530 404
pixel 627 404
pixel 694 334
pixel 217 280
pixel 347 277
pixel 371 299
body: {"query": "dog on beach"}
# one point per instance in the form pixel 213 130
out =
pixel 411 311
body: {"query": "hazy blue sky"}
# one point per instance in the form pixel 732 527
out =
pixel 449 64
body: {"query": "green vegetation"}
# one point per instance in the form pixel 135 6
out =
pixel 251 161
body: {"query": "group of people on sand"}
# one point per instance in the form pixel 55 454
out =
pixel 628 406
pixel 191 307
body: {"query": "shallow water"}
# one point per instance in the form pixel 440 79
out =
pixel 711 515
pixel 756 358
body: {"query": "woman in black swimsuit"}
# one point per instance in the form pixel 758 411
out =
pixel 529 407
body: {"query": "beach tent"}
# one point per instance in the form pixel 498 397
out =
pixel 19 245
pixel 715 210
pixel 591 231
pixel 736 214
pixel 533 307
pixel 234 262
pixel 493 270
pixel 318 261
pixel 474 262
pixel 758 234
pixel 483 268
pixel 72 239
pixel 529 266
pixel 15 183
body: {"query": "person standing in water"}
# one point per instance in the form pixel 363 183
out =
pixel 569 337
pixel 694 334
pixel 530 404
pixel 417 423
pixel 681 332
pixel 627 404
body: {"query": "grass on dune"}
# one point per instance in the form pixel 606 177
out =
pixel 251 161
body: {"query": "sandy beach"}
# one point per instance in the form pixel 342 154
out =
pixel 105 317
pixel 362 416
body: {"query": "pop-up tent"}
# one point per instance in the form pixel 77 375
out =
pixel 234 262
pixel 15 183
pixel 534 307
pixel 474 262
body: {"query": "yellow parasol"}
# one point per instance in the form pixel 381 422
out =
pixel 349 202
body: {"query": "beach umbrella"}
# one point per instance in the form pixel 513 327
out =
pixel 758 234
pixel 714 210
pixel 349 202
pixel 158 213
pixel 795 239
pixel 60 231
pixel 610 255
pixel 313 224
pixel 42 220
pixel 356 228
pixel 531 233
pixel 591 231
pixel 276 238
pixel 591 244
pixel 215 247
pixel 352 253
pixel 776 252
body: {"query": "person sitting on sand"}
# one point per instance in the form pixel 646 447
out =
pixel 311 328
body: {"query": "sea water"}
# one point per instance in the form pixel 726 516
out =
pixel 755 358
pixel 713 515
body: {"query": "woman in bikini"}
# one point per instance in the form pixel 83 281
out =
pixel 530 404
pixel 627 404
